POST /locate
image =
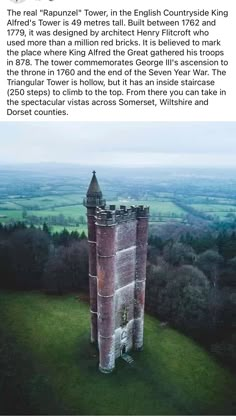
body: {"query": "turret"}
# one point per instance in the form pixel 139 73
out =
pixel 94 194
pixel 93 200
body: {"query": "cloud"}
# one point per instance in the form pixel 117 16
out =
pixel 132 144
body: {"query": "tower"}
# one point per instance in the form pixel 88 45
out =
pixel 93 200
pixel 117 261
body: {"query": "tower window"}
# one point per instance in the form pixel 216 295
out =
pixel 124 316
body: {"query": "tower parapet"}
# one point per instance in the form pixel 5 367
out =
pixel 143 211
pixel 112 215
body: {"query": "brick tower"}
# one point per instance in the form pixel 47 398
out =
pixel 92 201
pixel 117 275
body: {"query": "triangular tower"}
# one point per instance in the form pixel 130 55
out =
pixel 117 275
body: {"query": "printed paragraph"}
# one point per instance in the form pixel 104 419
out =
pixel 59 61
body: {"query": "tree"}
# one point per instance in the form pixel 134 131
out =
pixel 187 297
pixel 29 251
pixel 156 288
pixel 228 274
pixel 5 265
pixel 177 253
pixel 67 268
pixel 24 214
pixel 210 263
pixel 83 236
pixel 179 295
pixel 55 278
pixel 46 228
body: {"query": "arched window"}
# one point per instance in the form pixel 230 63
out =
pixel 124 316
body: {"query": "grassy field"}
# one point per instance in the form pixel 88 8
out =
pixel 68 206
pixel 80 229
pixel 9 215
pixel 158 207
pixel 162 209
pixel 49 367
pixel 220 210
pixel 67 211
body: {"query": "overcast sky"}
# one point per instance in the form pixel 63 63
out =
pixel 120 144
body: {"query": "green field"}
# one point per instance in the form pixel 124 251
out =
pixel 165 207
pixel 9 205
pixel 157 207
pixel 68 206
pixel 49 367
pixel 10 215
pixel 73 210
pixel 67 211
pixel 48 201
pixel 79 229
pixel 162 208
pixel 219 210
pixel 214 208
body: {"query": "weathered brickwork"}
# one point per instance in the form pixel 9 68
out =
pixel 117 271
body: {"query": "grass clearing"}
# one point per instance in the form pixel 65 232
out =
pixel 79 229
pixel 47 201
pixel 218 210
pixel 49 367
pixel 69 205
pixel 67 211
pixel 214 208
pixel 11 215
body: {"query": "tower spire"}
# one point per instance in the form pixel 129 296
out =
pixel 94 196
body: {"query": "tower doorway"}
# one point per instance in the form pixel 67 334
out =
pixel 123 349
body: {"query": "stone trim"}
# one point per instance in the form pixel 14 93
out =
pixel 108 296
pixel 110 336
pixel 106 256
